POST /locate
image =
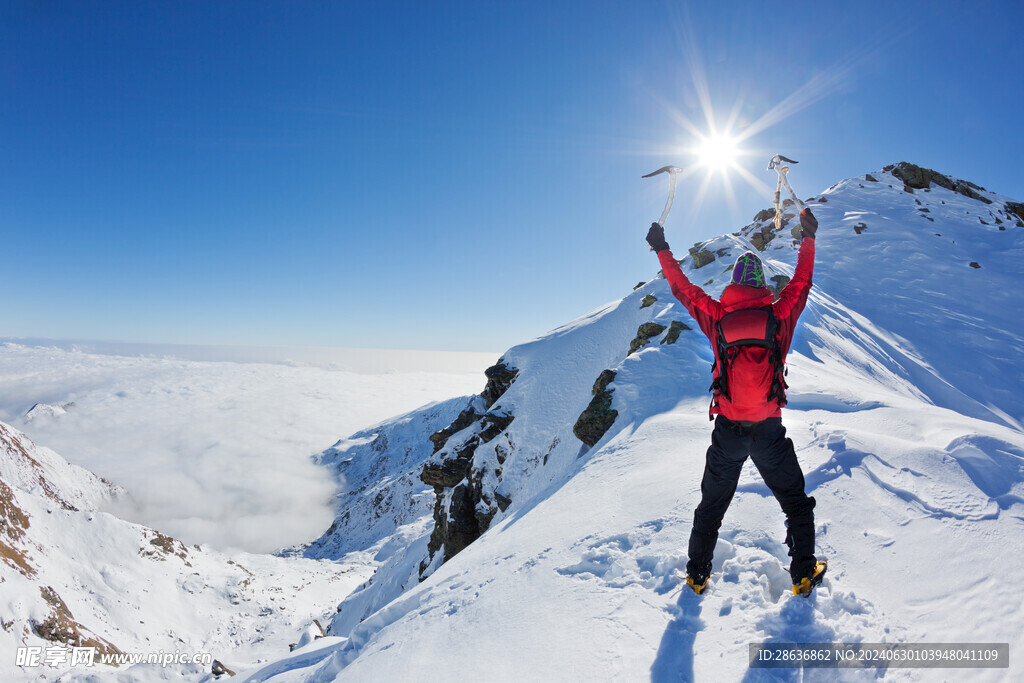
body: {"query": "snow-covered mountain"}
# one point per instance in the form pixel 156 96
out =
pixel 73 576
pixel 536 531
pixel 563 494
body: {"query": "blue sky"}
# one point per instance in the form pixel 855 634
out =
pixel 441 175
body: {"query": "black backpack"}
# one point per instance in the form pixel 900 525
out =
pixel 749 327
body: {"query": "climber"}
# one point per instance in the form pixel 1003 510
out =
pixel 750 336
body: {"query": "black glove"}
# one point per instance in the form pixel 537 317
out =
pixel 809 223
pixel 656 237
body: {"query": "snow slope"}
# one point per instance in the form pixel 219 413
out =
pixel 70 574
pixel 906 410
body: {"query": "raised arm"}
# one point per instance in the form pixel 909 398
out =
pixel 704 309
pixel 794 295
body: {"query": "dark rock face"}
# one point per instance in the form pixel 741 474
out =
pixel 644 333
pixel 780 282
pixel 919 178
pixel 648 301
pixel 458 484
pixel 761 239
pixel 870 178
pixel 975 264
pixel 499 379
pixel 598 417
pixel 701 258
pixel 765 215
pixel 860 227
pixel 1016 209
pixel 463 527
pixel 674 329
pixel 916 177
pixel 440 437
pixel 219 669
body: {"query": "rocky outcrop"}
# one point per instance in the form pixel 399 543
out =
pixel 13 525
pixel 598 417
pixel 218 669
pixel 761 239
pixel 780 282
pixel 701 257
pixel 648 301
pixel 674 330
pixel 462 510
pixel 59 626
pixel 644 334
pixel 919 178
pixel 1017 210
pixel 499 378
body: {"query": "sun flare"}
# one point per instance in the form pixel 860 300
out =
pixel 717 152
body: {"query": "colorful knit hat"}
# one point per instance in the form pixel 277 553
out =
pixel 748 271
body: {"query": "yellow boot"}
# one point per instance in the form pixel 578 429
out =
pixel 807 584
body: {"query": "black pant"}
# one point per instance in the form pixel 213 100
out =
pixel 773 454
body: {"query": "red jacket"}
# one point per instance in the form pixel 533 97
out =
pixel 751 366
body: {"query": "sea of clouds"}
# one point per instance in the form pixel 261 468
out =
pixel 218 451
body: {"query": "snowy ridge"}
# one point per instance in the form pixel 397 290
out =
pixel 378 472
pixel 40 471
pixel 916 459
pixel 71 575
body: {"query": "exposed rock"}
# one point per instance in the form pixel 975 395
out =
pixel 916 177
pixel 465 418
pixel 502 501
pixel 648 301
pixel 970 190
pixel 822 200
pixel 493 424
pixel 643 335
pixel 761 239
pixel 638 285
pixel 165 545
pixel 598 416
pixel 458 521
pixel 674 329
pixel 499 378
pixel 463 527
pixel 60 626
pixel 450 471
pixel 780 283
pixel 1016 209
pixel 870 178
pixel 765 215
pixel 219 669
pixel 975 264
pixel 860 227
pixel 701 258
pixel 13 524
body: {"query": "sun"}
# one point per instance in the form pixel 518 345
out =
pixel 717 152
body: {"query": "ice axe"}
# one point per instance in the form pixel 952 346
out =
pixel 672 172
pixel 776 164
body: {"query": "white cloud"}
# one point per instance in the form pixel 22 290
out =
pixel 215 452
